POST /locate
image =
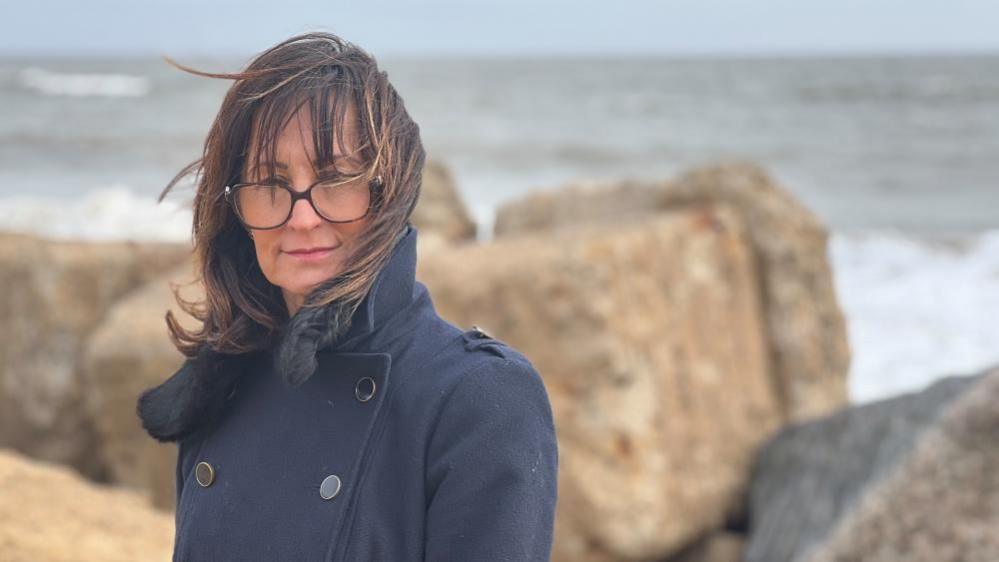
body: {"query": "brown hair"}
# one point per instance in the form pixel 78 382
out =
pixel 242 311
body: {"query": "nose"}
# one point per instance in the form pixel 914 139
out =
pixel 303 216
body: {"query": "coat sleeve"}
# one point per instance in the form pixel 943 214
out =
pixel 492 467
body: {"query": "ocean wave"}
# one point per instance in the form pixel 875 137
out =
pixel 112 213
pixel 51 83
pixel 917 309
pixel 933 88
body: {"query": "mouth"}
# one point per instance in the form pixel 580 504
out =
pixel 315 253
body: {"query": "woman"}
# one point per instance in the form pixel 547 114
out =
pixel 325 411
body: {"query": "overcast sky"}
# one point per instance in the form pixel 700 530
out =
pixel 501 27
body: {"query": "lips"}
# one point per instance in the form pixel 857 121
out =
pixel 316 252
pixel 316 249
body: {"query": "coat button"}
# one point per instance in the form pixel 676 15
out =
pixel 364 389
pixel 330 487
pixel 204 473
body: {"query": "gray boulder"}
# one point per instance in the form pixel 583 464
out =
pixel 812 476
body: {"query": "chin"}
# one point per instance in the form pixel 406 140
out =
pixel 300 278
pixel 306 281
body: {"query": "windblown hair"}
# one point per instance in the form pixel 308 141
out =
pixel 242 311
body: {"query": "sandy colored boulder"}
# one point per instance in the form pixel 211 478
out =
pixel 55 294
pixel 651 342
pixel 806 328
pixel 580 202
pixel 440 213
pixel 49 512
pixel 129 352
pixel 723 546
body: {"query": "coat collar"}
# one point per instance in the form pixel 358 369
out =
pixel 391 292
pixel 197 392
pixel 310 329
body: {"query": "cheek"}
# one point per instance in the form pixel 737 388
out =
pixel 265 245
pixel 349 232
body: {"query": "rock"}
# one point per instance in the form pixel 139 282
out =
pixel 581 202
pixel 50 513
pixel 129 352
pixel 55 294
pixel 722 546
pixel 805 326
pixel 811 475
pixel 650 339
pixel 941 503
pixel 440 213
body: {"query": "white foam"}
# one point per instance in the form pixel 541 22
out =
pixel 83 84
pixel 112 213
pixel 484 217
pixel 917 311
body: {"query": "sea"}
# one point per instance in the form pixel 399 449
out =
pixel 899 156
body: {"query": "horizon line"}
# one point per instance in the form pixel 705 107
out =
pixel 764 54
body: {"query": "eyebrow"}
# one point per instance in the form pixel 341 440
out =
pixel 284 166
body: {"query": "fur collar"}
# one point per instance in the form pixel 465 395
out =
pixel 197 392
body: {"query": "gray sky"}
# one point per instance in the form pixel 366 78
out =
pixel 491 27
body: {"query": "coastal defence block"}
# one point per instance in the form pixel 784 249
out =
pixel 652 342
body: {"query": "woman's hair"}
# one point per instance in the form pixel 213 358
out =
pixel 242 311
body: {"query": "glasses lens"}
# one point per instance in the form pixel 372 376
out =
pixel 262 206
pixel 342 200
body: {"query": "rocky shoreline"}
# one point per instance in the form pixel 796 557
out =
pixel 696 359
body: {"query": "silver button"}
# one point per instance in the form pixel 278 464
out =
pixel 330 487
pixel 364 389
pixel 482 333
pixel 204 473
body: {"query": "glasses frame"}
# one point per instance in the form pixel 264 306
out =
pixel 230 197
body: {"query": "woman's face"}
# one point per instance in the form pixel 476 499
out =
pixel 282 252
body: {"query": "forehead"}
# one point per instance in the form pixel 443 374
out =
pixel 292 140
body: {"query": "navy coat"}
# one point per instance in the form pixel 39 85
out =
pixel 412 440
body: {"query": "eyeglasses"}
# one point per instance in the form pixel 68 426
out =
pixel 265 206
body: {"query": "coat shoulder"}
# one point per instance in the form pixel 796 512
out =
pixel 493 366
pixel 493 437
pixel 474 353
pixel 479 341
